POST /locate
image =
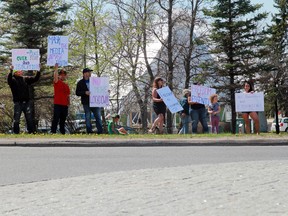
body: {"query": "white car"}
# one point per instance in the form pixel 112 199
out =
pixel 283 125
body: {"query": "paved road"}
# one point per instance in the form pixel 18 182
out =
pixel 210 181
pixel 22 165
pixel 243 188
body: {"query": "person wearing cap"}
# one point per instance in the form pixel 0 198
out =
pixel 184 114
pixel 83 90
pixel 61 100
pixel 21 98
pixel 113 127
pixel 198 113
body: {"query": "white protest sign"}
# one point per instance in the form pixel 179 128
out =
pixel 201 94
pixel 99 91
pixel 248 102
pixel 169 99
pixel 26 59
pixel 57 51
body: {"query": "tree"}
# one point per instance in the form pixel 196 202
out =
pixel 237 45
pixel 275 82
pixel 32 22
pixel 132 59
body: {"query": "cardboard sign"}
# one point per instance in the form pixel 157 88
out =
pixel 169 99
pixel 99 91
pixel 26 59
pixel 201 94
pixel 249 102
pixel 57 51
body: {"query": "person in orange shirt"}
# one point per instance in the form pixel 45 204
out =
pixel 61 100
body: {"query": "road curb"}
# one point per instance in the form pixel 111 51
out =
pixel 141 142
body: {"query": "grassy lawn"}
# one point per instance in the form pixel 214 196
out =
pixel 146 136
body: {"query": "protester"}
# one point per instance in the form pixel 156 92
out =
pixel 20 91
pixel 198 113
pixel 248 88
pixel 184 114
pixel 83 90
pixel 214 110
pixel 113 127
pixel 61 100
pixel 158 106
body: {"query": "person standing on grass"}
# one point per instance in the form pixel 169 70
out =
pixel 198 113
pixel 184 114
pixel 83 90
pixel 61 100
pixel 248 89
pixel 158 106
pixel 214 111
pixel 20 91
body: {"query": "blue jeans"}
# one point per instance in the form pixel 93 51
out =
pixel 185 124
pixel 97 115
pixel 24 107
pixel 199 115
pixel 59 116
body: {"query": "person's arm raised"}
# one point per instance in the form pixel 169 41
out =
pixel 55 73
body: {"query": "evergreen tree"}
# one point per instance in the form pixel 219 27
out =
pixel 236 44
pixel 32 22
pixel 278 57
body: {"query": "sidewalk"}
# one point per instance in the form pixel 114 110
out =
pixel 157 141
pixel 232 189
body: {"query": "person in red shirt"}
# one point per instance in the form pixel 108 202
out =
pixel 61 100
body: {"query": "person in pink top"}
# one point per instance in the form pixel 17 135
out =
pixel 61 100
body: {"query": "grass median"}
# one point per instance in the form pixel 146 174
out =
pixel 146 136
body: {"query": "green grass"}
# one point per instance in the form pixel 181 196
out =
pixel 143 136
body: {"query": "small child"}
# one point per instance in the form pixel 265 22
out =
pixel 112 126
pixel 214 110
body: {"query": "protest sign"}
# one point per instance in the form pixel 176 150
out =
pixel 99 91
pixel 249 102
pixel 201 94
pixel 169 99
pixel 26 59
pixel 57 51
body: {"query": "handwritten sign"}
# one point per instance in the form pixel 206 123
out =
pixel 169 99
pixel 57 50
pixel 26 59
pixel 99 91
pixel 246 102
pixel 201 94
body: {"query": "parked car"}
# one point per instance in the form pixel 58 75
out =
pixel 283 125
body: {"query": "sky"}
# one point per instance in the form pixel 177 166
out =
pixel 267 6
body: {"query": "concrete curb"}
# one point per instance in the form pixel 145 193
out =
pixel 141 142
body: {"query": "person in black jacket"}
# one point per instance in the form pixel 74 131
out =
pixel 20 91
pixel 82 90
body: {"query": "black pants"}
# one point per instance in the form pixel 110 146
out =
pixel 24 107
pixel 59 116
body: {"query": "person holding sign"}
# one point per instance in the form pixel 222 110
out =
pixel 198 113
pixel 83 91
pixel 158 106
pixel 61 100
pixel 214 110
pixel 248 88
pixel 20 91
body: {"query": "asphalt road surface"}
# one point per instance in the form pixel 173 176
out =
pixel 26 164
